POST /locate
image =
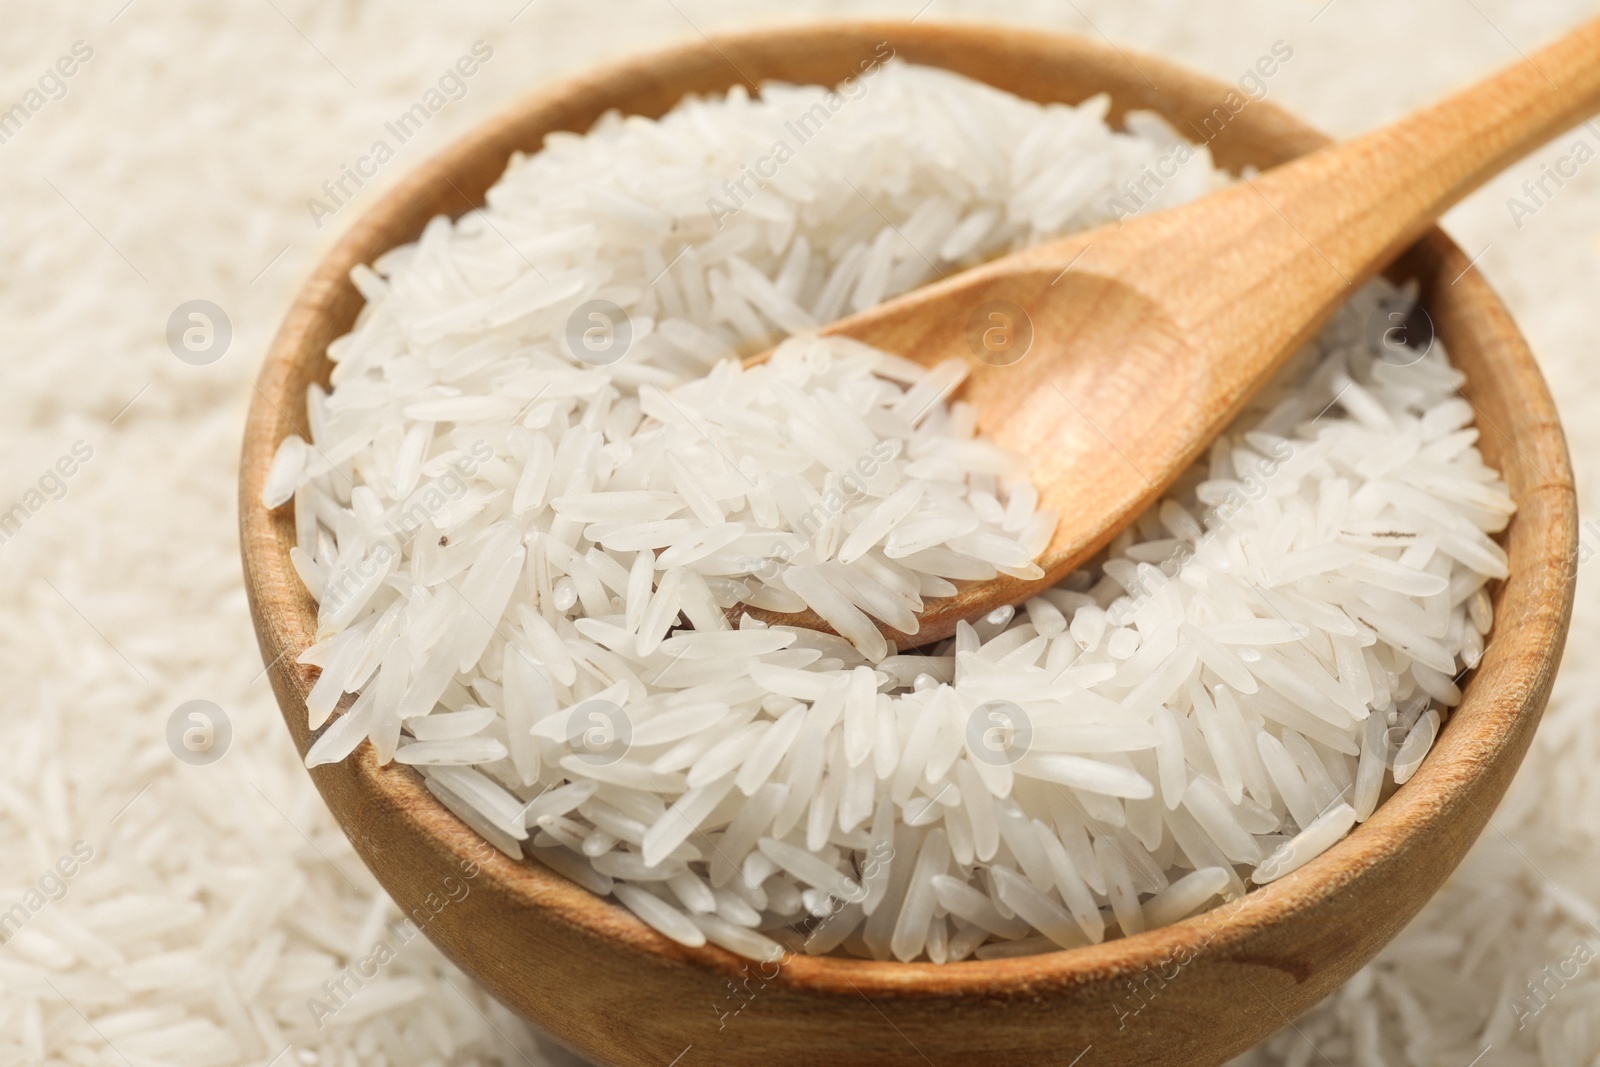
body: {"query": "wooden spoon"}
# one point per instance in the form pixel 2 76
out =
pixel 1114 357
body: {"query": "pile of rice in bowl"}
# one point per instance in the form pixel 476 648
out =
pixel 542 478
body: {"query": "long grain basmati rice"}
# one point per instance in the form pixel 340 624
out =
pixel 506 539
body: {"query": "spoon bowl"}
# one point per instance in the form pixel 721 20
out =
pixel 1195 992
pixel 1038 342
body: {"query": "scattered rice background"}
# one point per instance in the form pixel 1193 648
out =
pixel 177 167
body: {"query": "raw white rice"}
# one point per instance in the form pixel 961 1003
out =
pixel 506 539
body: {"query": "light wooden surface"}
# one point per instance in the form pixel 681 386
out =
pixel 587 971
pixel 1149 335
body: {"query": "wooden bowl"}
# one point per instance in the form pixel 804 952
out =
pixel 1196 992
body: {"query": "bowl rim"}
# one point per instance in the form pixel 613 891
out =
pixel 1522 658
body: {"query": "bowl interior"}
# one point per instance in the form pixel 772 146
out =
pixel 1317 925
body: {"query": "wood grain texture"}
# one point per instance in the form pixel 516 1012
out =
pixel 1196 992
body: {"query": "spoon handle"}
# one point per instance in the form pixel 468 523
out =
pixel 1363 201
pixel 1251 272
